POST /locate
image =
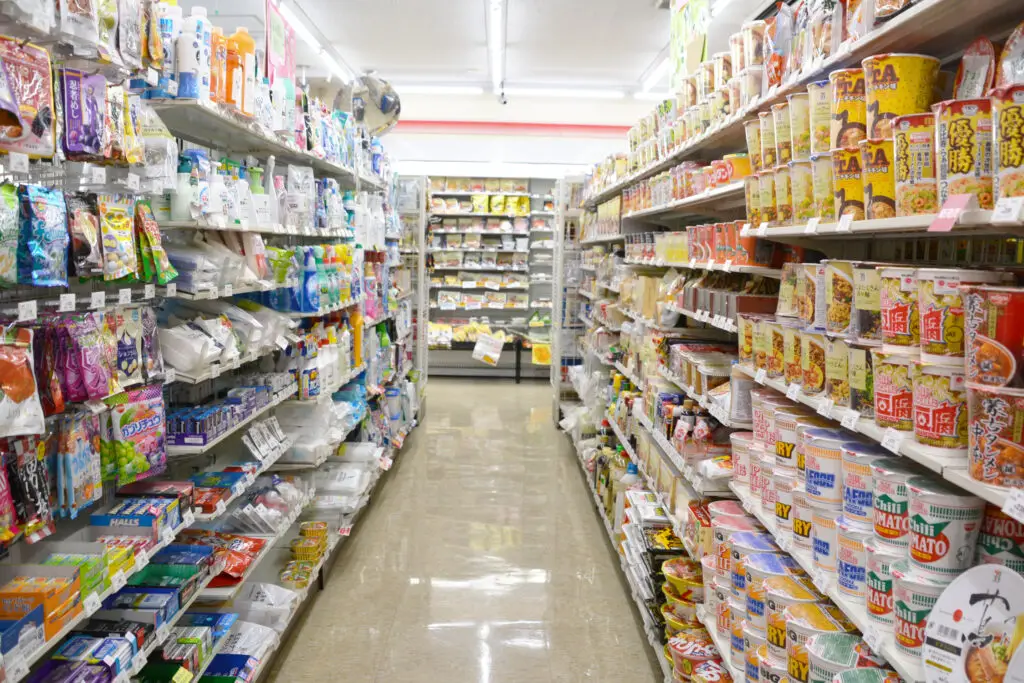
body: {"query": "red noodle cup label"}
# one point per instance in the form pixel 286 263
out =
pixel 937 421
pixel 892 404
pixel 891 516
pixel 1001 535
pixel 879 595
pixel 896 319
pixel 928 541
pixel 932 320
pixel 909 625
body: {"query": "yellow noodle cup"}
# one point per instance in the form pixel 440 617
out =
pixel 821 180
pixel 801 188
pixel 848 108
pixel 878 178
pixel 848 183
pixel 896 85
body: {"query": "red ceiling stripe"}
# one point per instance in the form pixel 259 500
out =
pixel 508 127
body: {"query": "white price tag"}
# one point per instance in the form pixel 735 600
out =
pixel 17 162
pixel 688 473
pixel 845 223
pixel 850 419
pixel 172 88
pixel 138 663
pixel 281 342
pixel 152 77
pixel 727 266
pixel 215 370
pixel 1009 211
pixel 871 638
pixel 124 296
pixel 892 440
pixel 1014 505
pixel 172 289
pixel 345 531
pixel 26 311
pixel 718 321
pixel 793 392
pixel 495 304
pixel 760 376
pixel 149 291
pixel 91 605
pixel 188 518
pixel 745 230
pixel 762 230
pixel 167 536
pixel 99 175
pixel 825 407
pixel 170 375
pixel 98 300
pixel 141 561
pixel 469 284
pixel 748 505
pixel 820 579
pixel 220 507
pixel 386 463
pixel 812 226
pixel 67 302
pixel 162 633
pixel 786 543
pixel 133 182
pixel 16 668
pixel 117 581
pixel 693 263
pixel 228 290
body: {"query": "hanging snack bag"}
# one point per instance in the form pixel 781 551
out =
pixel 45 345
pixel 152 255
pixel 130 32
pixel 129 345
pixel 20 409
pixel 27 68
pixel 152 358
pixel 77 21
pixel 137 423
pixel 29 480
pixel 9 231
pixel 106 14
pixel 43 247
pixel 133 149
pixel 84 230
pixel 79 455
pixel 83 100
pixel 119 257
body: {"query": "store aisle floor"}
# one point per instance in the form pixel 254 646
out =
pixel 480 561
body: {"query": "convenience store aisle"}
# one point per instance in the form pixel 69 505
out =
pixel 481 560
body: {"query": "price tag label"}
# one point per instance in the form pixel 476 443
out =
pixel 345 531
pixel 98 300
pixel 152 77
pixel 17 162
pixel 133 182
pixel 162 632
pixel 124 296
pixel 850 419
pixel 718 321
pixel 215 370
pixel 67 302
pixel 688 473
pixel 99 175
pixel 138 663
pixel 149 292
pixel 469 284
pixel 747 505
pixel 167 536
pixel 871 638
pixel 825 407
pixel 117 581
pixel 188 518
pixel 228 290
pixel 760 376
pixel 16 668
pixel 220 507
pixel 820 579
pixel 492 285
pixel 727 266
pixel 170 375
pixel 91 605
pixel 495 304
pixel 141 561
pixel 1009 211
pixel 812 225
pixel 26 311
pixel 693 263
pixel 892 440
pixel 745 230
pixel 762 230
pixel 949 214
pixel 793 392
pixel 845 223
pixel 172 289
pixel 786 543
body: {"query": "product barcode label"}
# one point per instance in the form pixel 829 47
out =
pixel 812 226
pixel 892 440
pixel 149 291
pixel 172 289
pixel 17 162
pixel 1014 505
pixel 91 604
pixel 124 296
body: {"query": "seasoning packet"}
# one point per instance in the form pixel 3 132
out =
pixel 86 259
pixel 116 230
pixel 9 231
pixel 43 245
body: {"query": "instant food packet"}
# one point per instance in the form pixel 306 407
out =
pixel 130 32
pixel 116 224
pixel 129 345
pixel 137 430
pixel 29 480
pixel 79 461
pixel 133 150
pixel 83 99
pixel 20 409
pixel 114 140
pixel 977 71
pixel 106 15
pixel 108 346
pixel 152 256
pixel 43 245
pixel 77 23
pixel 29 85
pixel 9 231
pixel 84 229
pixel 152 45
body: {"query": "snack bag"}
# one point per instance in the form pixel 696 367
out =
pixel 9 230
pixel 29 481
pixel 79 461
pixel 83 98
pixel 152 357
pixel 152 256
pixel 20 409
pixel 130 32
pixel 152 45
pixel 129 345
pixel 45 346
pixel 27 68
pixel 106 14
pixel 116 229
pixel 77 21
pixel 107 327
pixel 114 142
pixel 8 515
pixel 133 150
pixel 137 428
pixel 84 229
pixel 43 246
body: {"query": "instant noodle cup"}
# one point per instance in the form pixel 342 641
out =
pixel 770 669
pixel 1008 135
pixel 752 192
pixel 787 420
pixel 741 443
pixel 753 33
pixel 791 350
pixel 750 84
pixel 783 133
pixel 766 188
pixel 769 158
pixel 994 325
pixel 894 390
pixel 686 578
pixel 722 532
pixel 736 53
pixel 837 371
pixel 711 672
pixel 752 132
pixel 799 125
pixel 752 641
pixel 896 85
pixel 917 189
pixel 736 643
pixel 942 310
pixel 722 64
pixel 833 653
pixel 782 592
pixel 866 323
pixel 822 451
pixel 803 621
pixel 878 177
pixel 940 406
pixel 851 558
pixel 685 610
pixel 900 315
pixel 963 144
pixel 802 517
pixel 705 80
pixel 847 112
pixel 801 188
pixel 673 624
pixel 819 106
pixel 718 105
pixel 891 502
pixel 812 362
pixel 783 196
pixel 761 567
pixel 784 484
pixel 862 379
pixel 690 649
pixel 821 185
pixel 995 445
pixel 776 359
pixel 810 292
pixel 824 538
pixel 723 611
pixel 944 526
pixel 728 508
pixel 1001 540
pixel 838 295
pixel 742 545
pixel 848 183
pixel 878 581
pixel 867 675
pixel 858 480
pixel 735 90
pixel 914 596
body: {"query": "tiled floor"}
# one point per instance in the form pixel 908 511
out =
pixel 480 561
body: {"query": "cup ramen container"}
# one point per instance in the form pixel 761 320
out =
pixel 858 481
pixel 741 443
pixel 862 379
pixel 722 532
pixel 877 173
pixel 823 463
pixel 782 132
pixel 819 105
pixel 688 92
pixel 851 558
pixel 776 360
pixel 802 518
pixel 1008 162
pixel 940 406
pixel 811 305
pixel 759 414
pixel 707 563
pixel 742 545
pixel 824 538
pixel 718 106
pixel 752 132
pixel 848 114
pixel 867 676
pixel 739 167
pixel 711 672
pixel 752 192
pixel 783 196
pixel 914 595
pixel 770 669
pixel 791 351
pixel 722 64
pixel 784 484
pixel 994 326
pixel 832 653
pixel 735 89
pixel 900 314
pixel 727 508
pixel 848 182
pixel 685 610
pixel 685 577
pixel 812 362
pixel 786 421
pixel 753 640
pixel 896 85
pixel 736 52
pixel 878 581
pixel 673 624
pixel 694 122
pixel 891 502
pixel 761 567
pixel 1001 539
pixel 838 295
pixel 736 644
pixel 799 125
pixel 766 188
pixel 753 33
pixel 894 390
pixel 769 158
pixel 944 526
pixel 837 371
pixel 690 649
pixel 705 79
pixel 782 592
pixel 801 188
pixel 867 303
pixel 917 189
pixel 963 144
pixel 804 621
pixel 705 113
pixel 822 188
pixel 751 80
pixel 941 307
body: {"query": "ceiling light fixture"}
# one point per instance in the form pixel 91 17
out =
pixel 335 68
pixel 578 93
pixel 413 89
pixel 496 42
pixel 299 27
pixel 656 96
pixel 658 73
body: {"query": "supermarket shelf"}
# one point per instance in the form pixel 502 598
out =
pixel 489 269
pixel 327 391
pixel 215 370
pixel 445 193
pixel 975 222
pixel 731 195
pixel 452 231
pixel 492 289
pixel 719 321
pixel 225 291
pixel 608 286
pixel 699 485
pixel 600 239
pixel 240 490
pixel 275 229
pixel 717 411
pixel 477 215
pixel 325 311
pixel 478 251
pixel 726 267
pixel 195 450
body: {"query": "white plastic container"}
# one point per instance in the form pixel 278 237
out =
pixel 944 527
pixel 826 537
pixel 878 581
pixel 852 558
pixel 914 596
pixel 858 483
pixel 890 501
pixel 192 56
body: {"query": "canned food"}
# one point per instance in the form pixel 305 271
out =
pixel 917 189
pixel 944 526
pixel 878 177
pixel 940 405
pixel 783 132
pixel 1008 135
pixel 801 188
pixel 995 444
pixel 783 196
pixel 812 362
pixel 851 558
pixel 994 321
pixel 766 186
pixel 838 295
pixel 894 390
pixel 819 94
pixel 964 146
pixel 862 380
pixel 800 125
pixel 914 596
pixel 896 85
pixel 900 319
pixel 891 502
pixel 858 481
pixel 782 592
pixel 821 186
pixel 878 581
pixel 847 182
pixel 848 109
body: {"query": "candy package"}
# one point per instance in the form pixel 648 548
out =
pixel 29 480
pixel 20 409
pixel 80 482
pixel 116 229
pixel 152 357
pixel 152 46
pixel 77 22
pixel 9 231
pixel 43 247
pixel 84 230
pixel 137 429
pixel 8 515
pixel 152 256
pixel 128 332
pixel 27 68
pixel 133 151
pixel 106 15
pixel 108 346
pixel 83 99
pixel 45 344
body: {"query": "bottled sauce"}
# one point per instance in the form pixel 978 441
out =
pixel 218 64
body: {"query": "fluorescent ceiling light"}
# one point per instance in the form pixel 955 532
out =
pixel 652 96
pixel 299 28
pixel 335 68
pixel 438 89
pixel 496 42
pixel 579 93
pixel 656 75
